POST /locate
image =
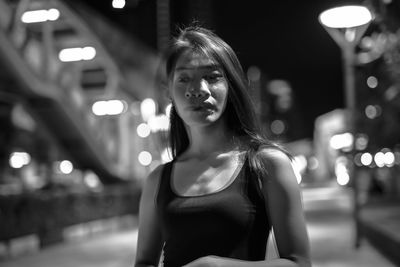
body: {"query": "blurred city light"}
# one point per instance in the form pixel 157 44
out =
pixel 115 107
pixel 361 141
pixel 372 82
pixel 379 159
pixel 41 15
pixel 366 42
pixel 168 109
pixel 373 111
pixel 66 167
pixel 313 163
pixel 341 141
pixel 366 159
pixel 159 123
pixel 109 107
pixel 343 178
pixel 391 93
pixel 118 3
pixel 166 155
pixel 145 158
pixel 341 171
pixel 253 74
pixel 345 16
pixel 92 180
pixel 357 159
pixel 277 127
pixel 389 159
pixel 148 109
pixel 143 130
pixel 77 54
pixel 19 159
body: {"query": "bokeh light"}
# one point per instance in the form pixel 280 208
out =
pixel 278 127
pixel 145 158
pixel 143 130
pixel 379 159
pixel 372 82
pixel 19 159
pixel 366 159
pixel 77 54
pixel 66 166
pixel 148 109
pixel 41 15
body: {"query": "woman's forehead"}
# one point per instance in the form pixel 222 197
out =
pixel 194 60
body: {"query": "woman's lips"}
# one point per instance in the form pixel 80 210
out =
pixel 201 107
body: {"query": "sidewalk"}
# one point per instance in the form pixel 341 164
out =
pixel 112 249
pixel 329 223
pixel 380 225
pixel 331 229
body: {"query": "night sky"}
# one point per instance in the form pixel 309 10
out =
pixel 283 38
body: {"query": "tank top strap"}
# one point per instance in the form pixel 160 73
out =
pixel 164 188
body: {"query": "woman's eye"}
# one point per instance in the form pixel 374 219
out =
pixel 183 79
pixel 212 78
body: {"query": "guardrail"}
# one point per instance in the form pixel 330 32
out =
pixel 47 213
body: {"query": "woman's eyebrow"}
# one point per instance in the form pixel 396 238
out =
pixel 202 67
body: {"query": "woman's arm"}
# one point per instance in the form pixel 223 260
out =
pixel 149 237
pixel 284 206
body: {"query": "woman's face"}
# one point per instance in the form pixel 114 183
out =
pixel 199 89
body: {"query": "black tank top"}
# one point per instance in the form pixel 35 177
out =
pixel 231 222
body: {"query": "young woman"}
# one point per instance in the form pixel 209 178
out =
pixel 227 186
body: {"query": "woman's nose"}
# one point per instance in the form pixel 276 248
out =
pixel 198 90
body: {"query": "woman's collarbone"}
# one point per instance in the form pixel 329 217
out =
pixel 201 178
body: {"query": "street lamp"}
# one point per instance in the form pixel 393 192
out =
pixel 346 25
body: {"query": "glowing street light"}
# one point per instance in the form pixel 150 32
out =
pixel 118 3
pixel 345 17
pixel 346 25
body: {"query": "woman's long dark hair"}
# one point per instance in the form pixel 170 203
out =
pixel 239 112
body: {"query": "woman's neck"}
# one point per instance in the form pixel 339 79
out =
pixel 207 140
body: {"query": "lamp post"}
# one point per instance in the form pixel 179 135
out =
pixel 346 25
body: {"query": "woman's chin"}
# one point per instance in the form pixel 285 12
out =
pixel 204 119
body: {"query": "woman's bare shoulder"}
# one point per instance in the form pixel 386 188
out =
pixel 153 179
pixel 273 155
pixel 277 164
